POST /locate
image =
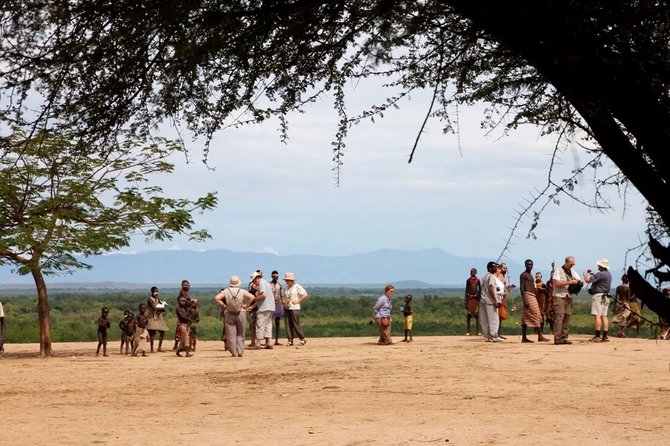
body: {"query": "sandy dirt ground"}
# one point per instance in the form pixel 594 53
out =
pixel 342 391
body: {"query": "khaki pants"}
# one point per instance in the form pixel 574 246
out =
pixel 384 333
pixel 234 326
pixel 264 324
pixel 294 330
pixel 562 315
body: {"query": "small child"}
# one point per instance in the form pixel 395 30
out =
pixel 193 329
pixel 2 331
pixel 103 324
pixel 407 313
pixel 127 326
pixel 141 334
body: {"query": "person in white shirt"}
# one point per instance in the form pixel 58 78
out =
pixel 488 304
pixel 564 277
pixel 293 296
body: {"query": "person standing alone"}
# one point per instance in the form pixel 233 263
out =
pixel 473 293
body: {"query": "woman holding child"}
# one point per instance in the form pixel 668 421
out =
pixel 156 319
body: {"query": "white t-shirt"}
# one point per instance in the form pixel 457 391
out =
pixel 292 296
pixel 487 280
pixel 559 274
pixel 267 304
pixel 500 285
pixel 2 312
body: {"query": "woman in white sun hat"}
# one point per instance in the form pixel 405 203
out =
pixel 293 296
pixel 232 300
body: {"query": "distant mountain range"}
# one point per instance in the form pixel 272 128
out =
pixel 213 268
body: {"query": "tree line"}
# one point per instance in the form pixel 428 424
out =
pixel 325 314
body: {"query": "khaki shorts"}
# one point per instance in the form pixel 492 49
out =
pixel 600 303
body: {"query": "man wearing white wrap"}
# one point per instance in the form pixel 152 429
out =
pixel 488 305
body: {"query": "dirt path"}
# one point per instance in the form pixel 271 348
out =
pixel 342 391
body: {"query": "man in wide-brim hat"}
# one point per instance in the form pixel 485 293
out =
pixel 601 282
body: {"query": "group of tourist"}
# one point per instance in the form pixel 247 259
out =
pixel 551 303
pixel 263 302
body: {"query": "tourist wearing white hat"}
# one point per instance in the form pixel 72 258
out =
pixel 601 282
pixel 231 299
pixel 266 309
pixel 293 296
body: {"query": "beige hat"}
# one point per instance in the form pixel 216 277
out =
pixel 254 275
pixel 604 263
pixel 289 276
pixel 234 281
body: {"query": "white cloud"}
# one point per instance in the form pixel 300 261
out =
pixel 464 200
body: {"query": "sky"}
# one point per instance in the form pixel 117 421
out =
pixel 460 194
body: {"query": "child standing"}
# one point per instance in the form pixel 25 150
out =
pixel 103 325
pixel 193 329
pixel 141 337
pixel 127 326
pixel 2 331
pixel 407 313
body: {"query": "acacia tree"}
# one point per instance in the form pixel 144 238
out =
pixel 593 71
pixel 58 199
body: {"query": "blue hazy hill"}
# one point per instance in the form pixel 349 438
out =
pixel 431 266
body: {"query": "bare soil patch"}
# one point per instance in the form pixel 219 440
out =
pixel 342 391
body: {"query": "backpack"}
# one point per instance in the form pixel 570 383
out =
pixel 233 303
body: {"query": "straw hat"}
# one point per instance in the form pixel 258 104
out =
pixel 289 276
pixel 603 263
pixel 234 281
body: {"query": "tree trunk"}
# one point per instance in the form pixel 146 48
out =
pixel 43 313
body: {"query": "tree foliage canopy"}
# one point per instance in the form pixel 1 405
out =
pixel 57 199
pixel 596 72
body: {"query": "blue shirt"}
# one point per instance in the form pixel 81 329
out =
pixel 601 282
pixel 383 307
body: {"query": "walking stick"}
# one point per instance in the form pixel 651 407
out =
pixel 656 325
